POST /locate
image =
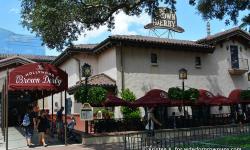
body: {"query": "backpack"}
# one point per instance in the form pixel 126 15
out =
pixel 26 120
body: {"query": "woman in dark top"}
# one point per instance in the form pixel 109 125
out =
pixel 42 127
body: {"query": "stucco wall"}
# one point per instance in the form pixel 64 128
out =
pixel 140 75
pixel 71 67
pixel 101 63
pixel 107 63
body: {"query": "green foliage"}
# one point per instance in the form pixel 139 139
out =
pixel 128 95
pixel 191 94
pixel 236 141
pixel 245 95
pixel 106 114
pixel 176 93
pixel 95 96
pixel 129 113
pixel 219 9
pixel 60 22
pixel 80 95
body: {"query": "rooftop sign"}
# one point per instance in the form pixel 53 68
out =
pixel 164 18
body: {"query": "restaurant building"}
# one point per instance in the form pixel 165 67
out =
pixel 217 63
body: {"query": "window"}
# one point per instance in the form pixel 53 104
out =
pixel 154 58
pixel 197 62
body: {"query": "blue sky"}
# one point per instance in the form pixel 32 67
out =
pixel 187 17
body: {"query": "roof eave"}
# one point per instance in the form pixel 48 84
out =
pixel 113 41
pixel 69 51
pixel 223 37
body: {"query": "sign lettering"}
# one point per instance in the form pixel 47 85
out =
pixel 20 79
pixel 164 17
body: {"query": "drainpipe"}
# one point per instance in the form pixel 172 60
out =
pixel 122 66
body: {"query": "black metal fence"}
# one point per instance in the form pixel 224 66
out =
pixel 116 125
pixel 180 137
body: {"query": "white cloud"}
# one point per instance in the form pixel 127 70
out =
pixel 90 35
pixel 14 10
pixel 124 24
pixel 51 52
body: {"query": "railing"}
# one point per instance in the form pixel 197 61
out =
pixel 181 137
pixel 116 125
pixel 241 64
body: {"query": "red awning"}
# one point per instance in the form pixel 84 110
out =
pixel 219 100
pixel 38 76
pixel 176 103
pixel 234 97
pixel 204 98
pixel 115 101
pixel 152 98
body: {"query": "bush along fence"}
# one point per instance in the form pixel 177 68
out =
pixel 181 137
pixel 116 125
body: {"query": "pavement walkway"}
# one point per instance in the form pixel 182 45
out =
pixel 17 139
pixel 78 147
pixel 17 142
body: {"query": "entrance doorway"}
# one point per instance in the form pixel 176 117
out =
pixel 18 104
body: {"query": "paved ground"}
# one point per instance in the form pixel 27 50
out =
pixel 78 147
pixel 17 142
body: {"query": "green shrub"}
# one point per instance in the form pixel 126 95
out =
pixel 245 95
pixel 129 113
pixel 105 113
pixel 80 95
pixel 128 95
pixel 95 96
pixel 191 94
pixel 175 93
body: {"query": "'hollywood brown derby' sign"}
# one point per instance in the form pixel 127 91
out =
pixel 38 76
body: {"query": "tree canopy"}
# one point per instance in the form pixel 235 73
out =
pixel 60 22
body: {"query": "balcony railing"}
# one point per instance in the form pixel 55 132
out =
pixel 238 67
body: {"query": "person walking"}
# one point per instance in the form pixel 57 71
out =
pixel 70 127
pixel 151 120
pixel 42 127
pixel 242 119
pixel 29 124
pixel 59 121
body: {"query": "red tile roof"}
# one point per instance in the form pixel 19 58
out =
pixel 223 35
pixel 101 79
pixel 36 58
pixel 96 80
pixel 84 46
pixel 157 40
